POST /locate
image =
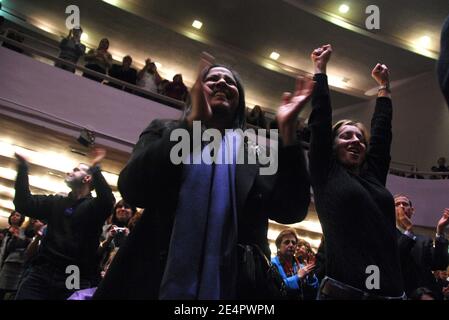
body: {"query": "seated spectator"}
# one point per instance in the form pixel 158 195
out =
pixel 440 168
pixel 297 276
pixel 176 89
pixel 123 72
pixel 148 78
pixel 256 117
pixel 12 256
pixel 71 49
pixel 99 60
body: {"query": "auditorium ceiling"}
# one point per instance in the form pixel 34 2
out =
pixel 243 34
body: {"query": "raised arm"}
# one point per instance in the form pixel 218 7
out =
pixel 443 62
pixel 291 195
pixel 38 207
pixel 320 120
pixel 378 156
pixel 105 199
pixel 440 254
pixel 150 173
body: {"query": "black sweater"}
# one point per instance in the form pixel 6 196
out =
pixel 356 211
pixel 73 226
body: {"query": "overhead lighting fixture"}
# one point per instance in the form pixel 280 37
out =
pixel 424 42
pixel 274 55
pixel 112 2
pixel 84 36
pixel 344 8
pixel 197 24
pixel 158 65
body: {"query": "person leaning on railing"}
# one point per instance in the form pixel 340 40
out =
pixel 99 60
pixel 71 49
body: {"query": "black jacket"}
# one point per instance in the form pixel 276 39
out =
pixel 419 258
pixel 73 226
pixel 151 181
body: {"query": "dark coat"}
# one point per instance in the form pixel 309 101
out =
pixel 152 182
pixel 419 258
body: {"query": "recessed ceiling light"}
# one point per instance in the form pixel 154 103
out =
pixel 197 24
pixel 112 2
pixel 84 36
pixel 344 8
pixel 424 41
pixel 274 55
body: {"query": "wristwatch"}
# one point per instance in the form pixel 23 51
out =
pixel 385 87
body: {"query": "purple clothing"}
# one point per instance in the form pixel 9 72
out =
pixel 85 294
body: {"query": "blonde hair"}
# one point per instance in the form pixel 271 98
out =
pixel 346 122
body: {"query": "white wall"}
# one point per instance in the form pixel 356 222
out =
pixel 420 121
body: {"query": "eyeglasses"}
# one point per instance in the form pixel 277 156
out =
pixel 288 241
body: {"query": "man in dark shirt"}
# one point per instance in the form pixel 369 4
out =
pixel 418 254
pixel 67 259
pixel 123 72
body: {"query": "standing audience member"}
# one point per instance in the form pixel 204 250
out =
pixel 304 252
pixel 12 257
pixel 99 60
pixel 443 61
pixel 177 89
pixel 148 78
pixel 71 49
pixel 124 72
pixel 186 244
pixel 299 278
pixel 73 230
pixel 256 117
pixel 348 173
pixel 115 232
pixel 419 256
pixel 441 167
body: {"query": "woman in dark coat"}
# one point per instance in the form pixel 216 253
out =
pixel 185 245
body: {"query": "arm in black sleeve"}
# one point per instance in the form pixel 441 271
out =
pixel 150 173
pixel 63 44
pixel 378 156
pixel 38 207
pixel 405 245
pixel 440 255
pixel 291 194
pixel 320 125
pixel 443 62
pixel 105 199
